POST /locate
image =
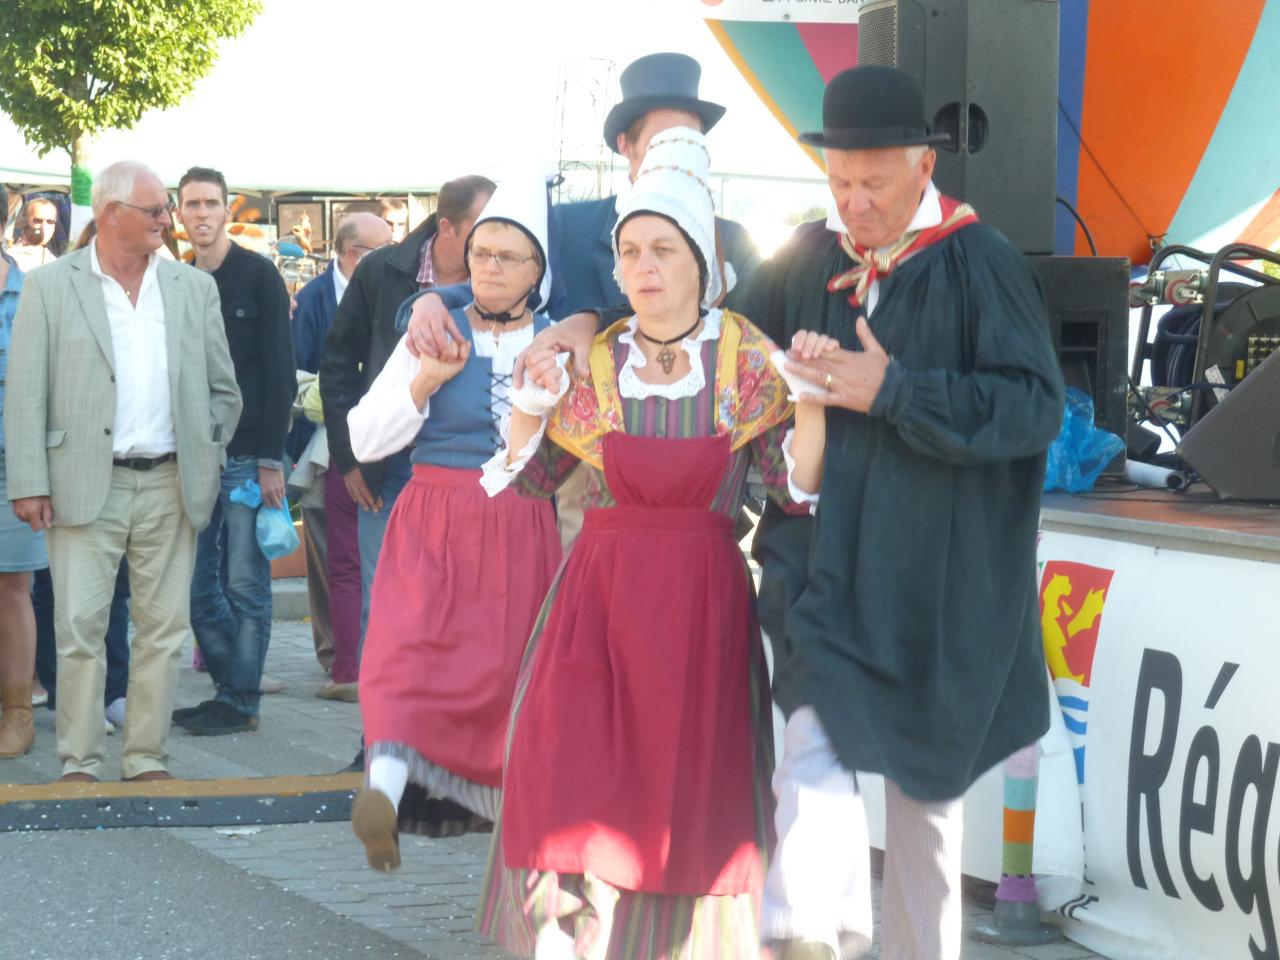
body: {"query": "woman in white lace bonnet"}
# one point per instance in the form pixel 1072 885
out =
pixel 636 802
pixel 461 575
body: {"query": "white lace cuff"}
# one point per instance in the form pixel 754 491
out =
pixel 536 401
pixel 796 383
pixel 797 495
pixel 495 473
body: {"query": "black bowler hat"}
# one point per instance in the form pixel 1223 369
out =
pixel 659 80
pixel 871 107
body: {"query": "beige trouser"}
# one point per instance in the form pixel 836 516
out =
pixel 819 883
pixel 313 519
pixel 143 519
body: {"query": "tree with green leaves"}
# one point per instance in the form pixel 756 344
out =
pixel 73 68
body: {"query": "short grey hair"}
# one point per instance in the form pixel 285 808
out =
pixel 915 152
pixel 115 184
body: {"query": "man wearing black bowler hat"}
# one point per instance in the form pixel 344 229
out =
pixel 905 619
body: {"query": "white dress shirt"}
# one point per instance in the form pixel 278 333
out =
pixel 143 424
pixel 928 214
pixel 339 281
pixel 386 420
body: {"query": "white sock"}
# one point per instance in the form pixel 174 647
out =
pixel 554 944
pixel 389 775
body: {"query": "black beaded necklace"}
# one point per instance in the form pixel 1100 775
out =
pixel 666 356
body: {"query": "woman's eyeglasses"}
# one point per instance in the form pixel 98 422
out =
pixel 505 259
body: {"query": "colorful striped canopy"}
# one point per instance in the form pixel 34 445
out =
pixel 1168 121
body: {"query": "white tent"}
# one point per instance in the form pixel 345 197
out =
pixel 399 96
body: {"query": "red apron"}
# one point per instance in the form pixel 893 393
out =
pixel 632 751
pixel 459 582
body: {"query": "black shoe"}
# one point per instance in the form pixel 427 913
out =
pixel 181 716
pixel 220 719
pixel 356 765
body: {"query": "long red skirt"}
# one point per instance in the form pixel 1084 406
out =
pixel 459 582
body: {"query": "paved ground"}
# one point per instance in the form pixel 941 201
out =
pixel 292 891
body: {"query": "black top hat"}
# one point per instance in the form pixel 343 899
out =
pixel 659 80
pixel 871 107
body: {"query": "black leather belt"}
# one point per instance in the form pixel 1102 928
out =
pixel 143 463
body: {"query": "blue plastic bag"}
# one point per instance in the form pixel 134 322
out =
pixel 276 534
pixel 1082 451
pixel 274 527
pixel 248 493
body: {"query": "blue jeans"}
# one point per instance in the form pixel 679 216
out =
pixel 371 528
pixel 231 594
pixel 117 638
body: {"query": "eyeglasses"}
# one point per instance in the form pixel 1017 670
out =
pixel 504 259
pixel 367 249
pixel 151 212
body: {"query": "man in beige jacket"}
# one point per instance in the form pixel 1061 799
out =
pixel 121 400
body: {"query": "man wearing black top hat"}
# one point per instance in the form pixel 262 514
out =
pixel 911 646
pixel 659 91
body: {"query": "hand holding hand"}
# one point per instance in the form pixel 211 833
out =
pixel 852 377
pixel 543 370
pixel 807 346
pixel 431 328
pixel 546 383
pixel 445 365
pixel 574 334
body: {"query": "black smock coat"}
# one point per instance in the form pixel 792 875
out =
pixel 909 605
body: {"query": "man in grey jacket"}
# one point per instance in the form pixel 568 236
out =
pixel 120 402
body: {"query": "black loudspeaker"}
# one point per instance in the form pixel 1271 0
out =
pixel 989 72
pixel 1235 447
pixel 1088 300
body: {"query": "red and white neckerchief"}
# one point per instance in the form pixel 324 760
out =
pixel 873 263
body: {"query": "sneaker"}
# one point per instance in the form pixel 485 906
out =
pixel 181 716
pixel 218 720
pixel 272 685
pixel 39 696
pixel 115 711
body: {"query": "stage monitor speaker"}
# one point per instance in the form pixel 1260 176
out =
pixel 989 72
pixel 1088 301
pixel 1235 447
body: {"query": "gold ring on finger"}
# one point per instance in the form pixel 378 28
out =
pixel 828 381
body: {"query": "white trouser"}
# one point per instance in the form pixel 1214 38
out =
pixel 819 883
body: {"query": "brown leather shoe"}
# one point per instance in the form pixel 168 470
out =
pixel 149 775
pixel 17 721
pixel 373 821
pixel 77 778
